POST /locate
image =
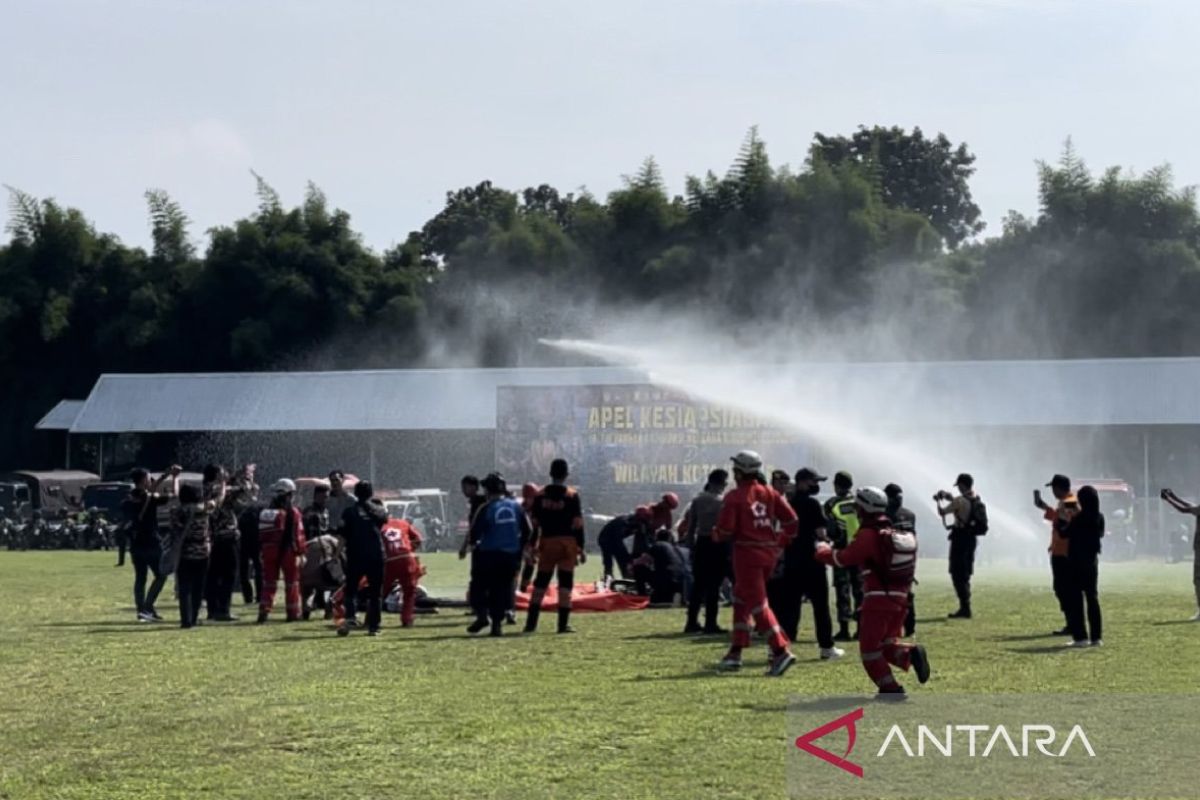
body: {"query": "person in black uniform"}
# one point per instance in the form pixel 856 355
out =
pixel 801 575
pixel 903 520
pixel 711 561
pixel 141 512
pixel 361 526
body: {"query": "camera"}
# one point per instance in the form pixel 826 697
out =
pixel 942 496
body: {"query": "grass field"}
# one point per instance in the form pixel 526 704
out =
pixel 98 706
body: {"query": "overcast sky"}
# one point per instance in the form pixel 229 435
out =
pixel 386 105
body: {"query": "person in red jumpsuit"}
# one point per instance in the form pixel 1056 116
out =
pixel 281 539
pixel 887 560
pixel 400 566
pixel 662 512
pixel 749 515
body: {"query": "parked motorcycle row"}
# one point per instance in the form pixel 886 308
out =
pixel 88 531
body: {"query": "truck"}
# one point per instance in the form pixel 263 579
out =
pixel 54 493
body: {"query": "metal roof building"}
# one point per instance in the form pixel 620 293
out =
pixel 61 417
pixel 982 393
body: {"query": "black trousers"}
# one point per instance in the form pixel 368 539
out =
pixel 847 586
pixel 1084 577
pixel 373 572
pixel 1060 573
pixel 189 584
pixel 122 546
pixel 613 552
pixel 146 559
pixel 910 619
pixel 786 592
pixel 711 565
pixel 250 570
pixel 492 576
pixel 962 567
pixel 222 573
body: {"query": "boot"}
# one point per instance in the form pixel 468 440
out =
pixel 531 618
pixel 564 616
pixel 843 634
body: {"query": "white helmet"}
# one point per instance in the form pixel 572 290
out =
pixel 283 486
pixel 747 461
pixel 871 499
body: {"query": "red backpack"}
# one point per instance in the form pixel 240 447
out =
pixel 897 561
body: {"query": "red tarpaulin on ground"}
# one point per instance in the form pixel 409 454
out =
pixel 588 598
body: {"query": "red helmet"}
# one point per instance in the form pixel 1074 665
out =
pixel 529 491
pixel 643 513
pixel 671 500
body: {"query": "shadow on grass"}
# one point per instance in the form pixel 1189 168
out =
pixel 698 674
pixel 131 629
pixel 932 621
pixel 1029 637
pixel 105 623
pixel 1177 622
pixel 1044 650
pixel 670 636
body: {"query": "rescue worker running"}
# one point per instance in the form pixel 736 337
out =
pixel 888 561
pixel 281 539
pixel 557 516
pixel 843 521
pixel 748 518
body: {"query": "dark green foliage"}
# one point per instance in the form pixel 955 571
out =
pixel 876 230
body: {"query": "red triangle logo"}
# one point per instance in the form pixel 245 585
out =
pixel 805 742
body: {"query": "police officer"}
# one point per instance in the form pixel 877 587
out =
pixel 842 514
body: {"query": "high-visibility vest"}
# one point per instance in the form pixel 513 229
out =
pixel 844 515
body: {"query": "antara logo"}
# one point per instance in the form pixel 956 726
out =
pixel 981 741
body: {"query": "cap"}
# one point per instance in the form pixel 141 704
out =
pixel 1060 482
pixel 810 474
pixel 779 475
pixel 893 490
pixel 841 476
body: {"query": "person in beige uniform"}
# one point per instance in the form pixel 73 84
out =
pixel 1187 508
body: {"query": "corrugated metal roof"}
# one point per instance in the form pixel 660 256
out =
pixel 983 393
pixel 61 417
pixel 462 399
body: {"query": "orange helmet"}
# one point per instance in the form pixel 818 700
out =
pixel 671 500
pixel 529 491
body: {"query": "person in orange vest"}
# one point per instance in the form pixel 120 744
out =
pixel 281 539
pixel 888 562
pixel 557 516
pixel 1059 516
pixel 748 518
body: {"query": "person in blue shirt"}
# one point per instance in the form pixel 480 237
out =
pixel 499 533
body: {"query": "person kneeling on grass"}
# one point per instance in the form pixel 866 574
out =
pixel 888 562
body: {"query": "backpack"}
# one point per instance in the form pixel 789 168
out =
pixel 897 562
pixel 977 520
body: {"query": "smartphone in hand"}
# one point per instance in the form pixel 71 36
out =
pixel 1037 498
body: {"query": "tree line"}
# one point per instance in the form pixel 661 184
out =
pixel 877 225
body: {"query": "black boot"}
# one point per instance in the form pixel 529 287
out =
pixel 531 617
pixel 693 624
pixel 564 616
pixel 843 634
pixel 479 624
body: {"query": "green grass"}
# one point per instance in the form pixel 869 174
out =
pixel 97 706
